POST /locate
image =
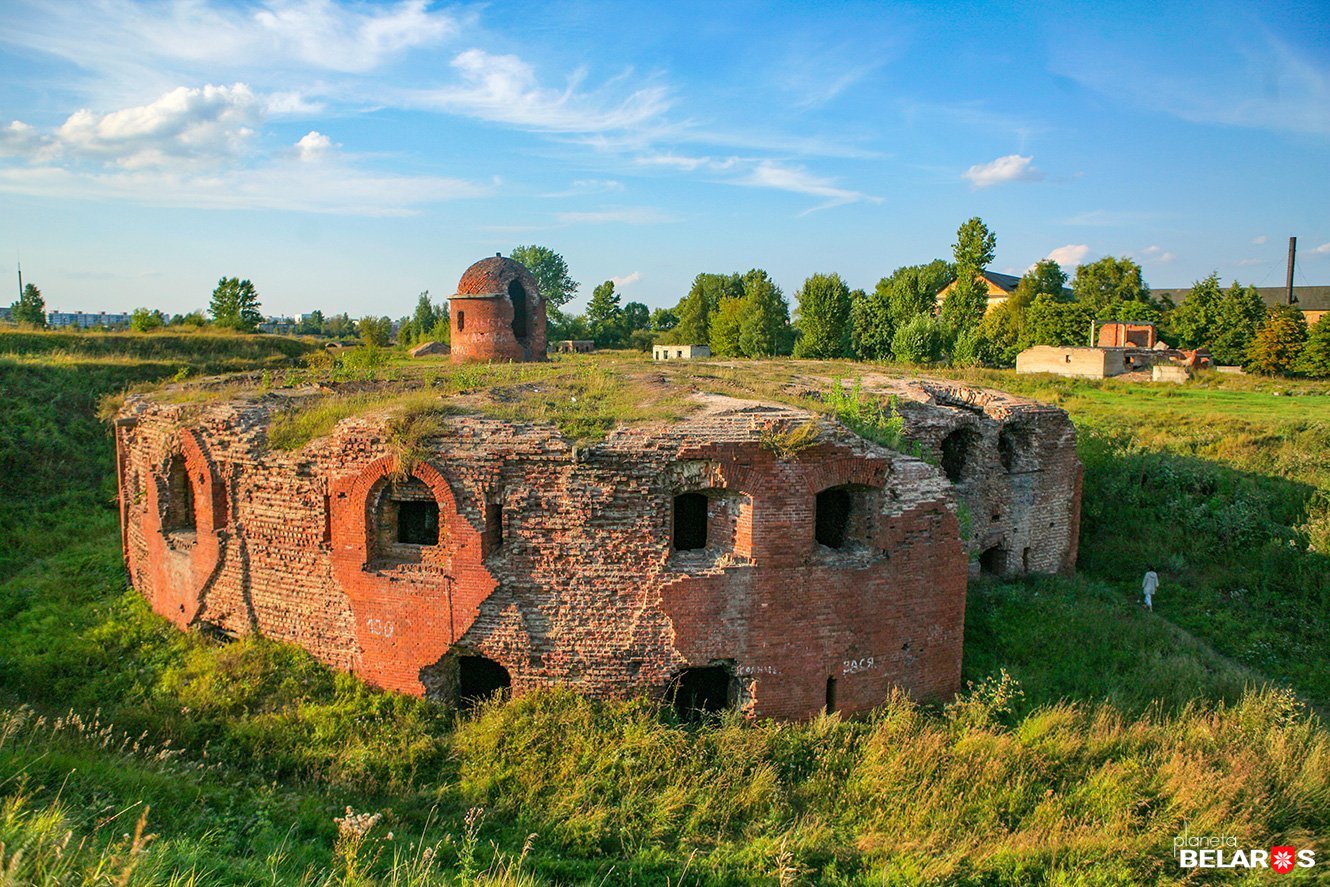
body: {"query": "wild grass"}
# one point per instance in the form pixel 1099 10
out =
pixel 1093 733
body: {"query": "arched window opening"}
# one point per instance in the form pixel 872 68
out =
pixel 480 679
pixel 832 517
pixel 697 692
pixel 957 449
pixel 690 521
pixel 418 523
pixel 461 320
pixel 178 515
pixel 517 295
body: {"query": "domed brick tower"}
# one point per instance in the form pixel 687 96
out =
pixel 497 313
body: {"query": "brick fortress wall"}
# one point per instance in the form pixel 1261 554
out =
pixel 560 564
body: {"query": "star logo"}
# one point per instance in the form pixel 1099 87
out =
pixel 1281 859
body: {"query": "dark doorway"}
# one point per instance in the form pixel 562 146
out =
pixel 831 522
pixel 418 523
pixel 461 321
pixel 690 521
pixel 479 679
pixel 178 516
pixel 517 296
pixel 697 692
pixel 993 561
pixel 831 696
pixel 956 453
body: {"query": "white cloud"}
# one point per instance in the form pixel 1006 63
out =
pixel 627 279
pixel 504 89
pixel 313 146
pixel 133 45
pixel 196 147
pixel 769 174
pixel 1323 248
pixel 1248 262
pixel 1011 168
pixel 1071 254
pixel 1157 254
pixel 642 215
pixel 1259 239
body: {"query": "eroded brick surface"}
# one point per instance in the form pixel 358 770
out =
pixel 559 563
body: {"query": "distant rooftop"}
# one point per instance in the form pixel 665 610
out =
pixel 1309 298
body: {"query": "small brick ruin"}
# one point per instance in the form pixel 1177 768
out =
pixel 497 314
pixel 683 559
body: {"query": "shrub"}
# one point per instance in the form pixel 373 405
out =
pixel 920 340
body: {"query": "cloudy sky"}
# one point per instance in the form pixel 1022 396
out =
pixel 347 156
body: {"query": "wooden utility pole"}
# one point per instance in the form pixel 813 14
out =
pixel 1292 254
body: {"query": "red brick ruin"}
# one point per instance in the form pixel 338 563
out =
pixel 685 559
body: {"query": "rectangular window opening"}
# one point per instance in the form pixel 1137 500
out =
pixel 690 522
pixel 418 523
pixel 494 524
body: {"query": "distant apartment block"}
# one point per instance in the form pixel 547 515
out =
pixel 86 320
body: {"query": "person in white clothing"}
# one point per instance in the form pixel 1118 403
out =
pixel 1149 585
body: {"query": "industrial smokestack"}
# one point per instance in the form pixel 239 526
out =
pixel 1292 254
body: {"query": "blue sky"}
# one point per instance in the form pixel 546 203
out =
pixel 347 156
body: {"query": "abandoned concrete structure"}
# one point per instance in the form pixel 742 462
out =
pixel 706 559
pixel 679 352
pixel 497 313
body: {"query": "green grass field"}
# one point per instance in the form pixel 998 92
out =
pixel 1094 732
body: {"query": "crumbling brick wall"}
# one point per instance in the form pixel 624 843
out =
pixel 559 563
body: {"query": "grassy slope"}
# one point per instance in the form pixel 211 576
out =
pixel 250 750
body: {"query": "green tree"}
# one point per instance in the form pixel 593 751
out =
pixel 311 324
pixel 636 316
pixel 1046 276
pixel 144 320
pixel 896 300
pixel 919 340
pixel 424 320
pixel 193 318
pixel 604 315
pixel 871 325
pixel 551 273
pixel 824 317
pixel 726 324
pixel 1100 285
pixel 1052 321
pixel 975 245
pixel 695 310
pixel 1315 358
pixel 966 303
pixel 1277 345
pixel 376 332
pixel 30 307
pixel 1194 322
pixel 765 330
pixel 1238 316
pixel 235 305
pixel 664 319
